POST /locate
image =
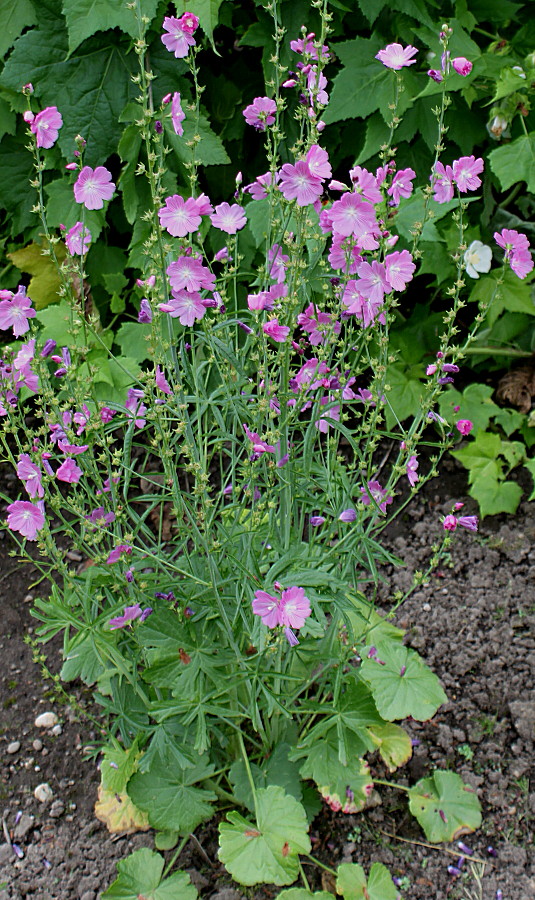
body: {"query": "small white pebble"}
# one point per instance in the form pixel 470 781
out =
pixel 57 730
pixel 426 607
pixel 43 793
pixel 37 744
pixel 46 720
pixel 13 747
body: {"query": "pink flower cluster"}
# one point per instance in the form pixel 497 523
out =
pixel 179 37
pixel 290 609
pixel 45 125
pixel 188 276
pixel 463 174
pixel 303 182
pixel 517 250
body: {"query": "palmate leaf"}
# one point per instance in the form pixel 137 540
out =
pixel 118 765
pixel 401 684
pixel 363 85
pixel 14 17
pixel 84 17
pixel 169 796
pixel 268 850
pixel 95 86
pixel 45 281
pixel 277 769
pixel 444 806
pixel 118 813
pixel 515 162
pixel 351 882
pixel 344 787
pixel 208 14
pixel 140 876
pixel 395 746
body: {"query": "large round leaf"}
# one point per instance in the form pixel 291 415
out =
pixel 140 876
pixel 352 883
pixel 401 684
pixel 268 850
pixel 444 806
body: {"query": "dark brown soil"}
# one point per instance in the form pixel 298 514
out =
pixel 474 624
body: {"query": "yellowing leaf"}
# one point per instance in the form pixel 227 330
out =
pixel 119 813
pixel 45 282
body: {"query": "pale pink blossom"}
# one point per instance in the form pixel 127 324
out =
pixel 365 310
pixel 374 494
pixel 366 184
pixel 299 184
pixel 258 445
pixel 316 87
pixel 401 185
pixel 372 283
pixel 307 48
pixel 179 37
pixel 24 356
pixel 117 552
pixel 260 112
pixel 517 251
pixel 30 474
pixel 188 272
pixel 443 183
pixel 186 306
pixel 177 114
pixel 161 381
pixel 179 217
pixel 45 125
pixel 131 613
pixel 26 518
pixel 318 163
pixel 15 310
pixel 278 262
pixel 344 254
pixel 399 268
pixel 290 608
pixel 258 188
pixel 412 466
pixel 394 56
pixel 203 205
pixel 330 412
pixel 277 333
pixel 69 472
pixel 352 215
pixel 78 239
pixel 229 219
pixel 318 325
pixel 465 173
pixel 93 187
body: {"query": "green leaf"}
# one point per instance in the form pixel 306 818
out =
pixel 15 193
pixel 444 806
pixel 362 85
pixel 118 765
pixel 167 794
pixel 334 779
pixel 62 209
pixel 352 884
pixel 131 339
pixel 277 770
pixel 495 496
pixel 45 281
pixel 14 17
pixel 475 404
pixel 266 851
pixel 515 162
pixel 405 395
pixel 82 661
pixel 258 212
pixel 209 150
pixel 84 17
pixel 140 876
pixel 530 466
pixel 395 746
pixel 207 12
pixel 302 894
pixel 412 210
pixel 480 455
pixel 401 684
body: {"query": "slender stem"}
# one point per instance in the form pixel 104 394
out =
pixel 175 856
pixel 249 773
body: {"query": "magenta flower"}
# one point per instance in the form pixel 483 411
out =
pixel 258 445
pixel 179 37
pixel 464 426
pixel 161 381
pixel 399 267
pixel 348 515
pixel 30 474
pixel 435 75
pixel 364 309
pixel 401 185
pixel 46 125
pixel 465 173
pixel 186 306
pixel 517 251
pixel 276 332
pixel 144 315
pixel 442 183
pixel 25 355
pixel 69 472
pixel 278 262
pixel 316 87
pixel 372 283
pixel 366 184
pixel 374 492
pixel 352 215
pixel 260 112
pixel 100 517
pixel 177 114
pixel 188 272
pixel 462 65
pixel 412 475
pixel 229 218
pixel 15 310
pixel 26 518
pixel 318 163
pixel 179 217
pixel 307 48
pixel 468 522
pixel 316 521
pixel 131 613
pixel 317 324
pixel 299 184
pixel 449 523
pixel 93 187
pixel 394 56
pixel 78 239
pixel 290 609
pixel 117 552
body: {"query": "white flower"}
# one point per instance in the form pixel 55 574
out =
pixel 477 258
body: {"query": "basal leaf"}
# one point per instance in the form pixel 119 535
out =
pixel 495 496
pixel 363 85
pixel 140 878
pixel 395 746
pixel 119 813
pixel 131 339
pixel 401 684
pixel 209 149
pixel 170 796
pixel 62 209
pixel 515 162
pixel 45 281
pixel 118 765
pixel 514 294
pixel 16 195
pixel 480 456
pixel 344 787
pixel 84 17
pixel 351 882
pixel 266 851
pixel 444 806
pixel 277 769
pixel 474 403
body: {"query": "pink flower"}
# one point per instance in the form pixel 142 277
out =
pixel 442 183
pixel 316 87
pixel 93 187
pixel 318 325
pixel 401 185
pixel 307 48
pixel 318 163
pixel 177 114
pixel 374 493
pixel 290 609
pixel 30 474
pixel 46 125
pixel 278 262
pixel 348 515
pixel 188 272
pixel 258 445
pixel 465 172
pixel 179 38
pixel 26 518
pixel 399 268
pixel 395 56
pixel 331 411
pixel 189 22
pixel 469 522
pixel 372 283
pixel 352 215
pixel 464 426
pixel 117 552
pixel 229 218
pixel 161 381
pixel 344 254
pixel 517 251
pixel 145 312
pixel 412 465
pixel 260 112
pixel 366 184
pixel 131 613
pixel 276 332
pixel 449 523
pixel 179 217
pixel 186 306
pixel 462 65
pixel 69 472
pixel 365 310
pixel 15 311
pixel 24 356
pixel 258 188
pixel 78 239
pixel 435 75
pixel 299 184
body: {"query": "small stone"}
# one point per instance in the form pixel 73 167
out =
pixel 13 747
pixel 57 730
pixel 74 555
pixel 88 895
pixel 426 607
pixel 37 744
pixel 6 854
pixel 43 792
pixel 57 809
pixel 46 720
pixel 23 826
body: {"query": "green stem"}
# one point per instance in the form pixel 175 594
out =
pixel 249 773
pixel 399 787
pixel 175 856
